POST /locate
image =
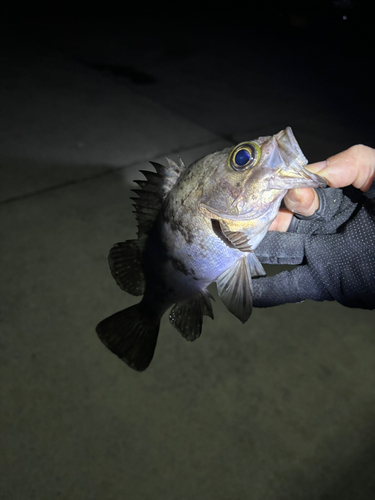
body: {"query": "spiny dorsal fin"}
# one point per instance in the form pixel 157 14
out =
pixel 235 289
pixel 187 316
pixel 153 192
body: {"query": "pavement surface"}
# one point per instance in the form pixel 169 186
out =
pixel 282 407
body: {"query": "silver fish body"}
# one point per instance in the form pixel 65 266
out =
pixel 197 225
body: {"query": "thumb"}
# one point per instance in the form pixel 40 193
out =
pixel 355 165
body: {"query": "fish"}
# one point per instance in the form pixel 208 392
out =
pixel 198 225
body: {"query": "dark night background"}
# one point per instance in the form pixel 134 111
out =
pixel 281 407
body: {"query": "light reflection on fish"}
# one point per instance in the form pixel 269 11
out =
pixel 197 225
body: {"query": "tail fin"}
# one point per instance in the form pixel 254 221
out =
pixel 132 335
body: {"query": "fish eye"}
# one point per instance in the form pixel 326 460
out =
pixel 244 155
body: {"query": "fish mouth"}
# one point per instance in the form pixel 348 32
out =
pixel 285 163
pixel 289 178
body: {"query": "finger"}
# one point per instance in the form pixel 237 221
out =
pixel 354 166
pixel 303 201
pixel 287 287
pixel 282 221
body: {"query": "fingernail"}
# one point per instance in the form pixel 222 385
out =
pixel 316 167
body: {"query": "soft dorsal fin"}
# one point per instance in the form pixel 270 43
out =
pixel 235 289
pixel 153 192
pixel 125 262
pixel 187 316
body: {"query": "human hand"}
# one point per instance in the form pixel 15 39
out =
pixel 334 238
pixel 355 166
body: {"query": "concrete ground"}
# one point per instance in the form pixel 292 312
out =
pixel 280 408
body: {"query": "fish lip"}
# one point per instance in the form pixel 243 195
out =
pixel 278 179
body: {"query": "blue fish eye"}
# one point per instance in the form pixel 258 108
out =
pixel 244 156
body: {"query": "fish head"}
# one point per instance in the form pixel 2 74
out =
pixel 249 180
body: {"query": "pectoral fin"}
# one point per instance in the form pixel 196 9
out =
pixel 237 238
pixel 187 316
pixel 235 289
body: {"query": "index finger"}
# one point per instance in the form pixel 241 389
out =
pixel 354 166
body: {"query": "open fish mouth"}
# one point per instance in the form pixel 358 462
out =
pixel 282 157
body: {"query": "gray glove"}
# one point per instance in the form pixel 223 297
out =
pixel 336 247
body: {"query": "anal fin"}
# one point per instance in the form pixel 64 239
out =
pixel 187 316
